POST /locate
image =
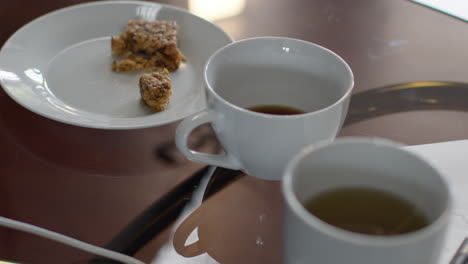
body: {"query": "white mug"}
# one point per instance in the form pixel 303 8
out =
pixel 269 71
pixel 375 164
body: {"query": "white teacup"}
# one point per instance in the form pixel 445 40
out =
pixel 269 71
pixel 374 164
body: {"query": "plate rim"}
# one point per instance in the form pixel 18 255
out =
pixel 100 125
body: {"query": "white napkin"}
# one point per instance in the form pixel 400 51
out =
pixel 451 159
pixel 456 8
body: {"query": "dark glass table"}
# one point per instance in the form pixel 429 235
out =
pixel 132 191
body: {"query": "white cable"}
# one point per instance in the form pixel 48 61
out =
pixel 39 231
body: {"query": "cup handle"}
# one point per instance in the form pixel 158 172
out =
pixel 187 126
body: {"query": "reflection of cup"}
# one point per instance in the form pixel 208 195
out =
pixel 240 224
pixel 374 164
pixel 269 71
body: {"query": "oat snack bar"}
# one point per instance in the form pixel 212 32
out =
pixel 147 46
pixel 156 89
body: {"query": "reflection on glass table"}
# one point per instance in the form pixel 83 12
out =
pixel 224 216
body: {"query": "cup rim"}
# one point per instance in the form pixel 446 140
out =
pixel 356 238
pixel 297 116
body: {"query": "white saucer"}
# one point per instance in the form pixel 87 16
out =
pixel 58 65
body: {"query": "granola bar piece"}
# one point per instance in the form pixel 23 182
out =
pixel 156 89
pixel 153 43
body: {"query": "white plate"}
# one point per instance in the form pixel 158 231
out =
pixel 58 65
